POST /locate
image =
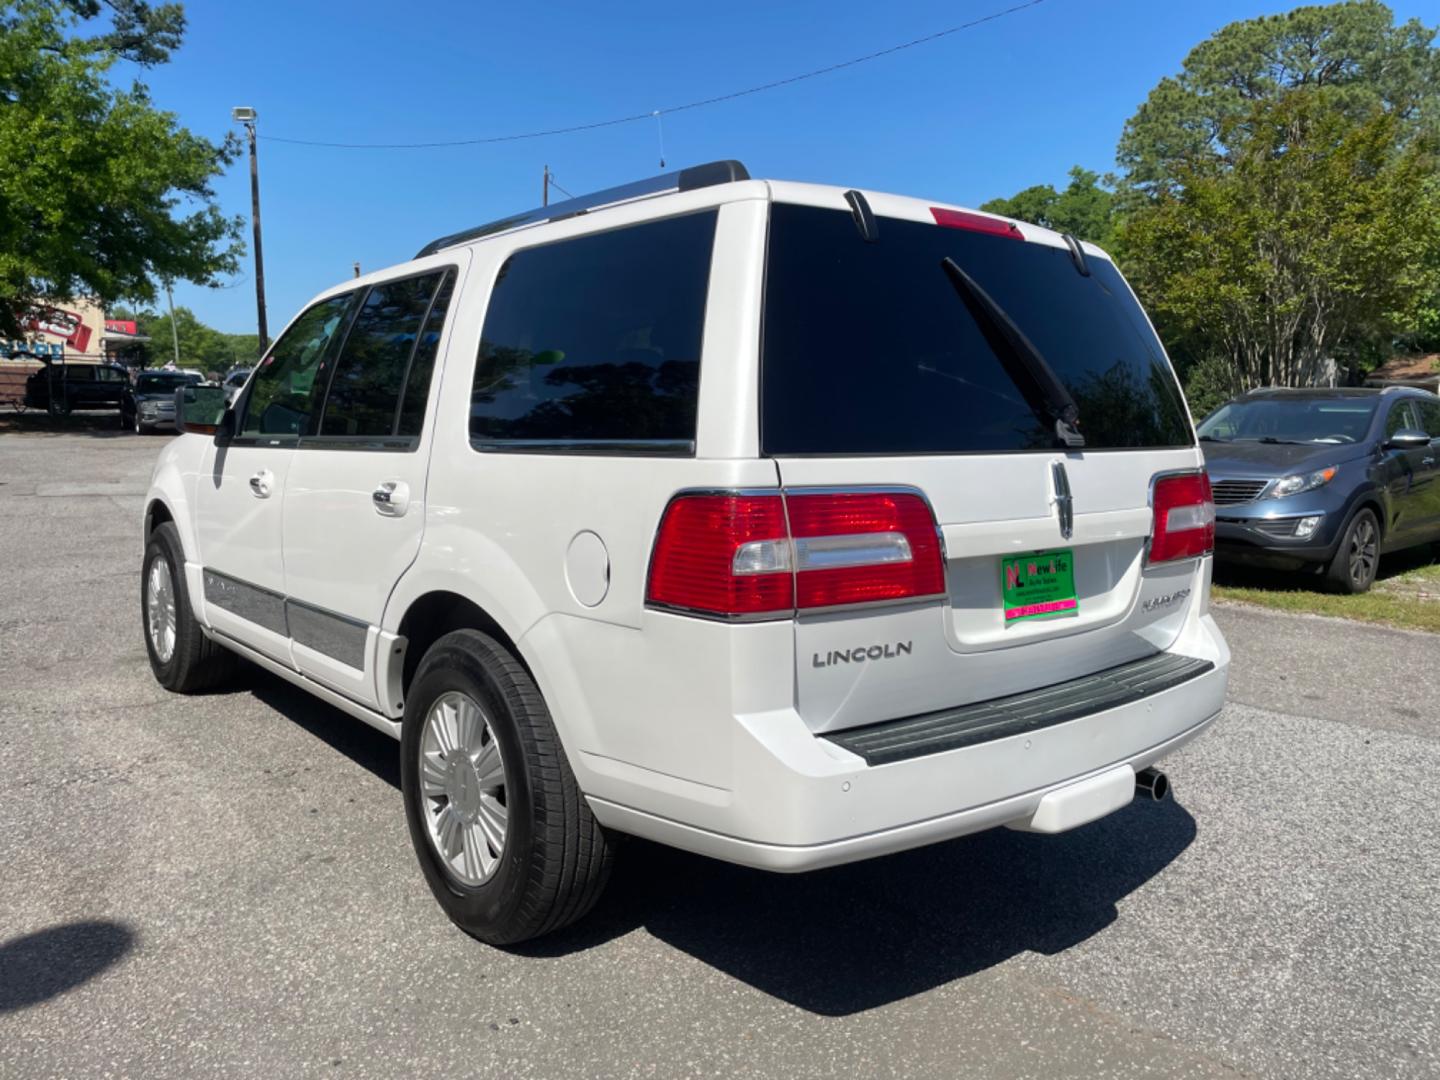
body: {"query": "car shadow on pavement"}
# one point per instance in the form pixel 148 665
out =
pixel 43 965
pixel 104 425
pixel 371 749
pixel 850 938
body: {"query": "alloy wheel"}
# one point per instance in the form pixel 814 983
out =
pixel 160 613
pixel 462 788
pixel 1364 550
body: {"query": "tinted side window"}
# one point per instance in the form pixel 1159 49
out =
pixel 422 364
pixel 364 394
pixel 280 394
pixel 1429 417
pixel 596 340
pixel 1399 418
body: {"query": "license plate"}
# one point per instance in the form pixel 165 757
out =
pixel 1038 586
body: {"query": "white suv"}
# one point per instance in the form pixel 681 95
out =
pixel 782 523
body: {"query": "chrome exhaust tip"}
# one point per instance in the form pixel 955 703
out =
pixel 1152 784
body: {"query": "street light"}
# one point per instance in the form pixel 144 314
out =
pixel 243 114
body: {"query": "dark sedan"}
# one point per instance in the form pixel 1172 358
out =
pixel 1327 480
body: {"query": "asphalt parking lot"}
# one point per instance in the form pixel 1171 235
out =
pixel 224 886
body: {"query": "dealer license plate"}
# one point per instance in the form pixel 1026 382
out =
pixel 1038 586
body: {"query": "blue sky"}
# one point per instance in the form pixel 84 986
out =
pixel 965 118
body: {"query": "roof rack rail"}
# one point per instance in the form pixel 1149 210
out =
pixel 697 176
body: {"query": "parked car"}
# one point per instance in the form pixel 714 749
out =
pixel 532 504
pixel 61 387
pixel 1328 480
pixel 150 403
pixel 234 382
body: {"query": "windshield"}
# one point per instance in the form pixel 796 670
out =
pixel 1299 420
pixel 160 383
pixel 867 349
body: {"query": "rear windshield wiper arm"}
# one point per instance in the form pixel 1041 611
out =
pixel 1027 368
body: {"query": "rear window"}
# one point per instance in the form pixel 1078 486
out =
pixel 868 349
pixel 593 344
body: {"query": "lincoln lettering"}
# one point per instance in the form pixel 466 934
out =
pixel 863 653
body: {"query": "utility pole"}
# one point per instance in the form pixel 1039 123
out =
pixel 545 188
pixel 246 115
pixel 174 330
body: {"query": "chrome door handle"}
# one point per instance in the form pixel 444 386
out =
pixel 391 498
pixel 260 483
pixel 1427 461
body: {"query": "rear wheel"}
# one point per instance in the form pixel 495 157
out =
pixel 181 656
pixel 1357 559
pixel 503 834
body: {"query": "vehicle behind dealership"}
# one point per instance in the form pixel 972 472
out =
pixel 787 524
pixel 1324 479
pixel 60 387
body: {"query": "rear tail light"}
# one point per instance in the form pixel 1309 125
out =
pixel 707 557
pixel 736 555
pixel 1184 524
pixel 859 548
pixel 963 219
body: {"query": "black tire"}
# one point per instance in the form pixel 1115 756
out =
pixel 1357 558
pixel 556 858
pixel 196 663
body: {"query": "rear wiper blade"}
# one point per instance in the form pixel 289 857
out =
pixel 1028 369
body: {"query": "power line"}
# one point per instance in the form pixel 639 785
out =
pixel 574 128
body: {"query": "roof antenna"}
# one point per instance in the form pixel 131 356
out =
pixel 660 129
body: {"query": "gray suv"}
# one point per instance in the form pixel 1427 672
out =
pixel 1326 480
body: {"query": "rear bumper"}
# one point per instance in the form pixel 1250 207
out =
pixel 796 858
pixel 800 801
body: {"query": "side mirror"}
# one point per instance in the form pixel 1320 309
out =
pixel 203 410
pixel 1407 439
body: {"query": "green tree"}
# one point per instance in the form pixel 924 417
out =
pixel 1352 55
pixel 201 346
pixel 104 194
pixel 1310 238
pixel 1085 209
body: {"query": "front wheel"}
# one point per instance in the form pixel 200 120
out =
pixel 1357 559
pixel 503 834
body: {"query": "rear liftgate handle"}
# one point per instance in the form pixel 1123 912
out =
pixel 391 498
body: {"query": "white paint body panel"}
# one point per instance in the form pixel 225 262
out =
pixel 707 734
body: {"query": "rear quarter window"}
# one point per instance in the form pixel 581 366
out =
pixel 868 349
pixel 593 344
